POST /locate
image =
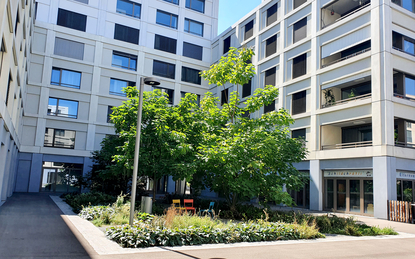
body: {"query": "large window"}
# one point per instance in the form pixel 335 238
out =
pixel 192 51
pixel 297 3
pixel 124 60
pixel 62 108
pixel 300 30
pixel 193 27
pixel 299 102
pixel 270 107
pixel 164 69
pixel 407 4
pixel 69 48
pixel 117 86
pixel 129 8
pixel 169 92
pixel 165 44
pixel 66 78
pixel 271 46
pixel 300 133
pixel 403 43
pixel 300 65
pixel 249 30
pixel 226 44
pixel 405 188
pixel 270 76
pixel 71 20
pixel 166 19
pixel 404 85
pixel 59 138
pixel 224 96
pixel 272 14
pixel 197 5
pixel 191 75
pixel 246 89
pixel 126 34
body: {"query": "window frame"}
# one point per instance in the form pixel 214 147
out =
pixel 57 114
pixel 169 42
pixel 300 23
pixel 297 60
pixel 227 44
pixel 184 69
pixel 269 44
pixel 188 22
pixel 122 94
pixel 53 145
pixel 109 112
pixel 134 4
pixel 224 96
pixel 156 73
pixel 71 16
pixel 200 47
pixel 125 55
pixel 129 31
pixel 249 33
pixel 268 20
pixel 166 90
pixel 172 1
pixel 245 89
pixel 299 103
pixel 270 107
pixel 190 5
pixel 60 78
pixel 171 16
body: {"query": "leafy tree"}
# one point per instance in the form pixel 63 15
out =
pixel 241 156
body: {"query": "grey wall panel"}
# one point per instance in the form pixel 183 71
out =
pixel 355 163
pixel 35 173
pixel 23 175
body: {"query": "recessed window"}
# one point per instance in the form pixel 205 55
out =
pixel 224 96
pixel 183 94
pixel 126 34
pixel 270 107
pixel 164 69
pixel 272 14
pixel 117 86
pixel 300 65
pixel 191 75
pixel 165 44
pixel 249 30
pixel 193 27
pixel 297 3
pixel 169 92
pixel 271 46
pixel 124 60
pixel 82 1
pixel 59 138
pixel 299 102
pixel 403 43
pixel 166 19
pixel 71 20
pixel 129 8
pixel 62 108
pixel 407 4
pixel 8 89
pixel 192 51
pixel 109 112
pixel 172 1
pixel 300 30
pixel 69 48
pixel 66 78
pixel 17 22
pixel 246 89
pixel 300 133
pixel 226 44
pixel 270 76
pixel 197 5
pixel 2 51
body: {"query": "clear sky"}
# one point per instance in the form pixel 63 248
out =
pixel 230 11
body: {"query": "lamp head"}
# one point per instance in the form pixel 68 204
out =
pixel 151 81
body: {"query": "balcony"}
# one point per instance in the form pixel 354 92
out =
pixel 404 133
pixel 358 89
pixel 341 9
pixel 351 134
pixel 346 54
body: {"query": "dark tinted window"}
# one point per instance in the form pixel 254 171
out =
pixel 110 111
pixel 192 51
pixel 300 30
pixel 127 34
pixel 71 20
pixel 246 89
pixel 297 3
pixel 299 102
pixel 8 89
pixel 270 76
pixel 83 1
pixel 300 65
pixel 272 14
pixel 197 5
pixel 224 97
pixel 166 19
pixel 164 69
pixel 226 44
pixel 193 27
pixel 124 60
pixel 165 44
pixel 191 75
pixel 300 133
pixel 59 138
pixel 249 30
pixel 271 46
pixel 270 107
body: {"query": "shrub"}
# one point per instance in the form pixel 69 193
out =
pixel 79 200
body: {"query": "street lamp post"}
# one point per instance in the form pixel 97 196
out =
pixel 147 81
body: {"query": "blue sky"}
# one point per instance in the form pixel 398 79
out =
pixel 230 11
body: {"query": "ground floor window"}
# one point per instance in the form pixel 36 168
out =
pixel 348 194
pixel 302 196
pixel 61 177
pixel 405 190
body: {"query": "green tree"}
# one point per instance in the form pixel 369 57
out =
pixel 241 156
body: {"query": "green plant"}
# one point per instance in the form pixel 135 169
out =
pixel 352 93
pixel 79 200
pixel 329 97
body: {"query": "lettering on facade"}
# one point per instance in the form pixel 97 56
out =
pixel 405 175
pixel 351 173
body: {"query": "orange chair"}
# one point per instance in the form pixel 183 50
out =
pixel 188 205
pixel 176 204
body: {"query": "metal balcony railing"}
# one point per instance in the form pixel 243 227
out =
pixel 360 97
pixel 404 97
pixel 347 57
pixel 347 145
pixel 404 144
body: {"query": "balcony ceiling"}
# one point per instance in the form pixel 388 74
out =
pixel 344 6
pixel 350 123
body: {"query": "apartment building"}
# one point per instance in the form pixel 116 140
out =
pixel 346 73
pixel 16 25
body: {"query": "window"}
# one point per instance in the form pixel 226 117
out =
pixel 126 34
pixel 2 51
pixel 249 30
pixel 270 76
pixel 165 44
pixel 272 14
pixel 166 19
pixel 183 94
pixel 299 102
pixel 191 75
pixel 270 107
pixel 271 46
pixel 169 92
pixel 246 114
pixel 59 138
pixel 164 69
pixel 71 20
pixel 226 44
pixel 62 108
pixel 68 48
pixel 173 1
pixel 224 97
pixel 404 85
pixel 82 1
pixel 300 30
pixel 403 43
pixel 129 8
pixel 297 3
pixel 300 133
pixel 124 60
pixel 193 27
pixel 407 4
pixel 8 89
pixel 66 78
pixel 197 5
pixel 192 51
pixel 17 21
pixel 300 65
pixel 246 89
pixel 117 86
pixel 110 111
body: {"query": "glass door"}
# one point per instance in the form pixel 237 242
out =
pixel 368 196
pixel 341 195
pixel 329 204
pixel 354 196
pixel 48 180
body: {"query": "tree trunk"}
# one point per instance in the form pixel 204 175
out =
pixel 154 187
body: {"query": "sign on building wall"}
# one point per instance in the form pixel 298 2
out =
pixel 405 175
pixel 349 173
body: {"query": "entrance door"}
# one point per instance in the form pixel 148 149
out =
pixel 59 177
